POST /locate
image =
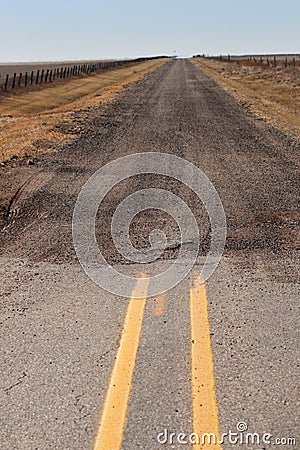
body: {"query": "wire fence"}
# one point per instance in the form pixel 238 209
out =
pixel 285 61
pixel 30 78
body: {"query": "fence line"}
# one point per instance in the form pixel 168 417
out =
pixel 43 75
pixel 264 60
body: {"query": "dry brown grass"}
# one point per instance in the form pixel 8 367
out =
pixel 271 93
pixel 29 118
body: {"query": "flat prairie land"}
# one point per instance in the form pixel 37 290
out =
pixel 32 121
pixel 11 68
pixel 272 93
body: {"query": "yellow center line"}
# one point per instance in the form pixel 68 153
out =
pixel 205 411
pixel 160 305
pixel 113 417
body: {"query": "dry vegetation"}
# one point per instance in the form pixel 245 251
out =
pixel 29 119
pixel 273 93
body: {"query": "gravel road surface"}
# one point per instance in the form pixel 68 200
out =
pixel 60 332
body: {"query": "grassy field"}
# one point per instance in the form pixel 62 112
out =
pixel 272 93
pixel 29 120
pixel 270 60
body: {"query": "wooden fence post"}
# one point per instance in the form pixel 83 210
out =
pixel 6 82
pixel 20 79
pixel 14 81
pixel 26 79
pixel 31 77
pixel 275 62
pixel 47 75
pixel 37 77
pixel 42 76
pixel 50 76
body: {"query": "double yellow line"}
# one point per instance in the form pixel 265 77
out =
pixel 205 413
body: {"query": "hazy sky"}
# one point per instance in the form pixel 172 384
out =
pixel 34 30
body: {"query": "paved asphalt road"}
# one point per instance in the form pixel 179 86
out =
pixel 80 369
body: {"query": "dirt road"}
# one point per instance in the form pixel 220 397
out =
pixel 60 332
